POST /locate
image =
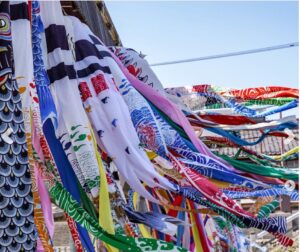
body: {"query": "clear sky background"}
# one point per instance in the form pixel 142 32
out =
pixel 166 31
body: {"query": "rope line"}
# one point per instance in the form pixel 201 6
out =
pixel 258 50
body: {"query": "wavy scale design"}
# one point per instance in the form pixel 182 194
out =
pixel 18 170
pixel 17 230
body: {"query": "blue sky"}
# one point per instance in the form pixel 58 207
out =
pixel 179 30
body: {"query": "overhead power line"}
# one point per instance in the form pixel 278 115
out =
pixel 217 56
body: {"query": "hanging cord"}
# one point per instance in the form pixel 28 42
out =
pixel 258 50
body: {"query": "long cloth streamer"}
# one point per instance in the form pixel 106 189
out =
pixel 287 122
pixel 16 215
pixel 270 101
pixel 252 113
pixel 209 91
pixel 262 92
pixel 109 114
pixel 65 201
pixel 262 193
pixel 140 68
pixel 263 170
pixel 127 85
pixel 85 218
pixel 171 110
pixel 226 142
pixel 124 84
pixel 48 116
pixel 129 58
pixel 193 194
pixel 192 147
pixel 73 129
pixel 119 241
pixel 24 72
pixel 257 223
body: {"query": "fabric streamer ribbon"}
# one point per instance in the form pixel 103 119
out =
pixel 42 82
pixel 17 222
pixel 99 96
pixel 24 72
pixel 262 92
pixel 263 170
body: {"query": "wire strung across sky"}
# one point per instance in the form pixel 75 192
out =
pixel 258 50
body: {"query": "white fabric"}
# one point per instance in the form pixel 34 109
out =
pixel 70 113
pixel 112 122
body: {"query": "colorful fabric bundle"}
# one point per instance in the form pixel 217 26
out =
pixel 68 201
pixel 165 110
pixel 48 130
pixel 170 137
pixel 158 187
pixel 128 89
pixel 64 168
pixel 209 91
pixel 109 114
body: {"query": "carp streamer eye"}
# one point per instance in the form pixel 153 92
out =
pixel 4 23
